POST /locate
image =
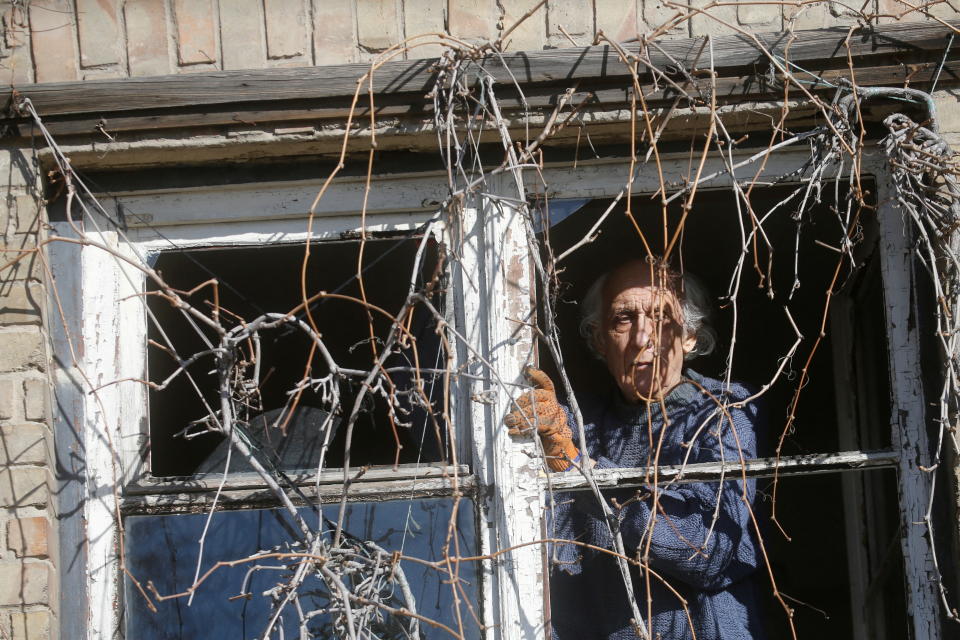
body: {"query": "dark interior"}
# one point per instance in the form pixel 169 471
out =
pixel 709 249
pixel 255 280
pixel 811 567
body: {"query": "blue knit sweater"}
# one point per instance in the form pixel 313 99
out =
pixel 587 592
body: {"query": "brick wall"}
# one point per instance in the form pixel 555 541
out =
pixel 28 581
pixel 62 40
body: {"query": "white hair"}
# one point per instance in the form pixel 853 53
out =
pixel 694 304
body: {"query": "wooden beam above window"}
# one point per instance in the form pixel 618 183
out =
pixel 890 55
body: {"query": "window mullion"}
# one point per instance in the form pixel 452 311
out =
pixel 907 415
pixel 405 473
pixel 495 294
pixel 786 466
pixel 435 482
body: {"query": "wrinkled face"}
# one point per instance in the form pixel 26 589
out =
pixel 642 338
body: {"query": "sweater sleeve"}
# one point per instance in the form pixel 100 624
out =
pixel 692 538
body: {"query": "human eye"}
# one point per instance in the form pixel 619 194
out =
pixel 621 318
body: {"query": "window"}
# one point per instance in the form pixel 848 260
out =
pixel 836 466
pixel 412 497
pixel 492 487
pixel 162 545
pixel 836 477
pixel 253 281
pixel 290 410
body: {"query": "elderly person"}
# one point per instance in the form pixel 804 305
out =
pixel 643 320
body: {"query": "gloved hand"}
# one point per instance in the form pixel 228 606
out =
pixel 539 408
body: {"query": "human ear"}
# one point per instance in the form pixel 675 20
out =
pixel 689 342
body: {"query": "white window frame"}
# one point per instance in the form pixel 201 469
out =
pixel 494 275
pixel 909 453
pixel 111 346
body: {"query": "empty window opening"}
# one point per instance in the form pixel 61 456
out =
pixel 262 279
pixel 844 403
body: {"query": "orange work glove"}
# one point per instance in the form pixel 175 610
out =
pixel 539 408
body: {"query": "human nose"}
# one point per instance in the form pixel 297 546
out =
pixel 642 336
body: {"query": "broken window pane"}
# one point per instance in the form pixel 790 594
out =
pixel 266 279
pixel 238 601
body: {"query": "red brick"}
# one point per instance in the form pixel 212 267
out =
pixel 22 216
pixel 196 40
pixel 22 349
pixel 241 34
pixel 617 18
pixel 18 65
pixel 423 17
pixel 30 625
pixel 576 18
pixel 655 14
pixel 531 34
pixel 25 583
pixel 53 39
pixel 378 25
pixel 9 388
pixel 472 19
pixel 334 38
pixel 22 444
pixel 24 487
pixel 715 21
pixel 900 11
pixel 97 23
pixel 16 25
pixel 288 63
pixel 945 10
pixel 20 303
pixel 27 537
pixel 148 39
pixel 109 72
pixel 760 15
pixel 35 398
pixel 286 28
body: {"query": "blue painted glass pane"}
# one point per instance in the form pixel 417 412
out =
pixel 164 549
pixel 555 211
